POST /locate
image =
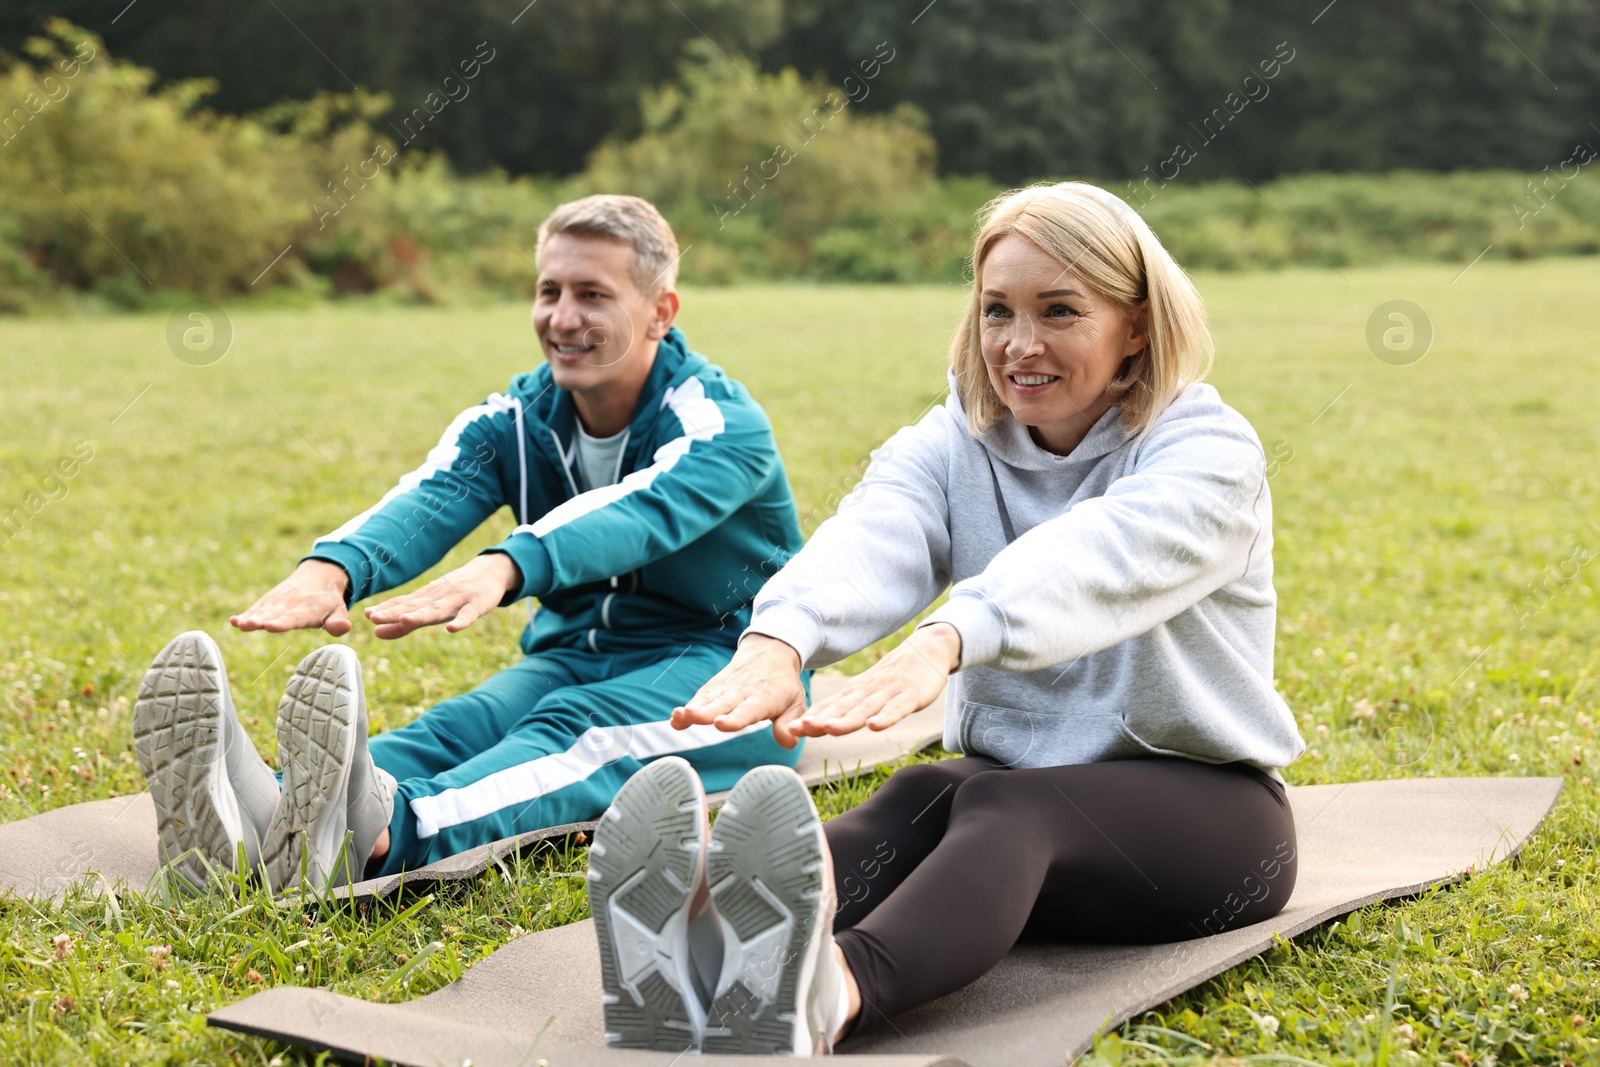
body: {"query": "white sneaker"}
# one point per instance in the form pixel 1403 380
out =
pixel 212 791
pixel 772 882
pixel 647 860
pixel 331 787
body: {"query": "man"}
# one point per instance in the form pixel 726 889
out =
pixel 652 503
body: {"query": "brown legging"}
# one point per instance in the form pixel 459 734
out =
pixel 949 864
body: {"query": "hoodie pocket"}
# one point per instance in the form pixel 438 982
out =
pixel 1154 750
pixel 1005 735
pixel 1058 737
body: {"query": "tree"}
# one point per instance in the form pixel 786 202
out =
pixel 563 76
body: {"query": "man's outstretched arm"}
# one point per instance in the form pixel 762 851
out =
pixel 430 509
pixel 314 597
pixel 404 534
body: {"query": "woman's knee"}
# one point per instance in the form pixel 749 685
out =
pixel 945 772
pixel 912 806
pixel 926 783
pixel 989 789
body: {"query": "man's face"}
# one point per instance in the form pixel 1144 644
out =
pixel 595 326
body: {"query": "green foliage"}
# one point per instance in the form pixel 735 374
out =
pixel 432 235
pixel 23 285
pixel 563 78
pixel 1340 220
pixel 1013 89
pixel 130 191
pixel 106 176
pixel 1019 90
pixel 117 186
pixel 133 192
pixel 775 176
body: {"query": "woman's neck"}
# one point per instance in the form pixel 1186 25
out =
pixel 1061 437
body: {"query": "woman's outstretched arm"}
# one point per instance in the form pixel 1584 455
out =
pixel 866 572
pixel 878 562
pixel 1192 517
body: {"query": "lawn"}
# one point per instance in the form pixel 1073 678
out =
pixel 1434 541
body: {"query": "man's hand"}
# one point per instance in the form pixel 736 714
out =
pixel 458 599
pixel 761 682
pixel 311 597
pixel 906 680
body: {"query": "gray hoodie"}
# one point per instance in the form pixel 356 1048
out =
pixel 1112 603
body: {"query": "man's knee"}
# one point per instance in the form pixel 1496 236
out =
pixel 434 722
pixel 573 720
pixel 568 709
pixel 453 728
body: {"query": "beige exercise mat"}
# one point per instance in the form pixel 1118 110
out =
pixel 1042 1006
pixel 114 841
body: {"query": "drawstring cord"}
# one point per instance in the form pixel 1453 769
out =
pixel 522 462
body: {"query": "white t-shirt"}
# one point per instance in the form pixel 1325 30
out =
pixel 598 458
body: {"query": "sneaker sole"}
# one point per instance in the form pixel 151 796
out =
pixel 177 731
pixel 316 742
pixel 643 869
pixel 766 871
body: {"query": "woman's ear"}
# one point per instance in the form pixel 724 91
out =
pixel 1138 329
pixel 1124 371
pixel 662 313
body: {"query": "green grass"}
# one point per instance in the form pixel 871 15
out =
pixel 1434 620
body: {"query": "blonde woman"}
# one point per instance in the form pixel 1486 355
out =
pixel 1102 523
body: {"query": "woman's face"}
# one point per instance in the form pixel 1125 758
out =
pixel 1051 344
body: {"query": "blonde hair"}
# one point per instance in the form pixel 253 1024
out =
pixel 1102 240
pixel 622 218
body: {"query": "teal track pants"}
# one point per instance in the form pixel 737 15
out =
pixel 549 741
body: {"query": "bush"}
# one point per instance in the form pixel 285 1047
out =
pixel 108 179
pixel 1355 219
pixel 473 233
pixel 781 176
pixel 135 193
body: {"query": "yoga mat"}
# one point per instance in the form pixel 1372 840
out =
pixel 113 842
pixel 1043 1005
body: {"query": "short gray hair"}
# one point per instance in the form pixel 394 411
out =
pixel 622 218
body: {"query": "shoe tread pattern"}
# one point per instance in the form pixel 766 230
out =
pixel 764 836
pixel 315 718
pixel 177 723
pixel 638 865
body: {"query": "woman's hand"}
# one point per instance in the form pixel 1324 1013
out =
pixel 457 599
pixel 311 597
pixel 906 680
pixel 761 682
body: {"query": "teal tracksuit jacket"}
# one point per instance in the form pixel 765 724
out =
pixel 644 587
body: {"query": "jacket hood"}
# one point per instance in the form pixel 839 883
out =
pixel 1009 442
pixel 553 407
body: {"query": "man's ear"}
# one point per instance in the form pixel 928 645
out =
pixel 664 311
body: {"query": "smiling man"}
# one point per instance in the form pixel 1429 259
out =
pixel 651 503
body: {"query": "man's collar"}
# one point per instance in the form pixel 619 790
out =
pixel 672 351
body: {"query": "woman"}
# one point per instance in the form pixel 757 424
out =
pixel 1104 527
